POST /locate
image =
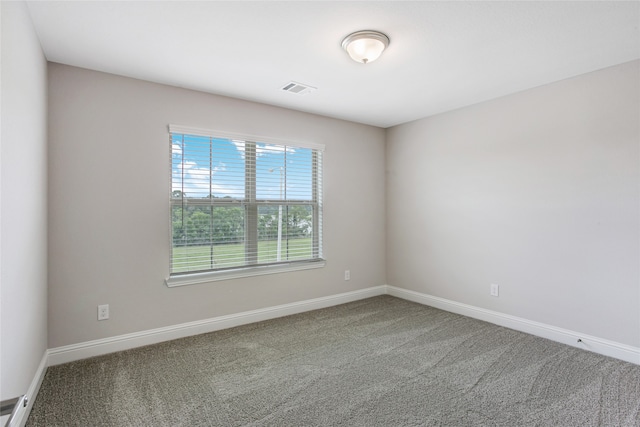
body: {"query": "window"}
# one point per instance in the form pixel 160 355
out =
pixel 242 205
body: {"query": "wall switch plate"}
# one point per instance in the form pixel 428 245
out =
pixel 103 312
pixel 495 290
pixel 347 275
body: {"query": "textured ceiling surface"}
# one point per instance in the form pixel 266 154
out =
pixel 442 56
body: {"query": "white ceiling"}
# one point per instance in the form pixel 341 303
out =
pixel 442 56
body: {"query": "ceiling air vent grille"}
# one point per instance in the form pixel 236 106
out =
pixel 298 88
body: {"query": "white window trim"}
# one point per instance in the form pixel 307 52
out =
pixel 185 279
pixel 238 273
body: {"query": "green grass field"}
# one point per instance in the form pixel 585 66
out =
pixel 197 258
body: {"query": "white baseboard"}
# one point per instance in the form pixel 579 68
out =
pixel 565 336
pixel 87 349
pixel 22 412
pixel 99 347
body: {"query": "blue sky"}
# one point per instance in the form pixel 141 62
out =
pixel 192 161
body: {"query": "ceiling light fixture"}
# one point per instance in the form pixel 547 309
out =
pixel 365 46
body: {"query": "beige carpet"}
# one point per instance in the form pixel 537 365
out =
pixel 377 362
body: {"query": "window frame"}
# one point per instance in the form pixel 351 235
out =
pixel 251 206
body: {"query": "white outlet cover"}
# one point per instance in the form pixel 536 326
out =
pixel 103 312
pixel 495 290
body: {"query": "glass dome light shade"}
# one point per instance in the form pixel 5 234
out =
pixel 365 46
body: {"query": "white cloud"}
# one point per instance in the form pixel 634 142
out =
pixel 262 149
pixel 239 146
pixel 197 183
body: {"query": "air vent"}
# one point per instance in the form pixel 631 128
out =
pixel 298 88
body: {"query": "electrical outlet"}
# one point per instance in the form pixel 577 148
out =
pixel 495 290
pixel 103 312
pixel 347 275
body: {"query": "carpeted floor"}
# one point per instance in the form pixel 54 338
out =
pixel 377 362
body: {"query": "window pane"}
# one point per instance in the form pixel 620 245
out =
pixel 203 167
pixel 283 173
pixel 207 237
pixel 299 179
pixel 228 168
pixel 296 233
pixel 299 232
pixel 268 223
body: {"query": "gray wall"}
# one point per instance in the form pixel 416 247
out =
pixel 23 202
pixel 109 172
pixel 537 192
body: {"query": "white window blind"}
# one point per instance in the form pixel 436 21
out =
pixel 239 201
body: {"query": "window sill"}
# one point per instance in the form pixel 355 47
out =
pixel 237 273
